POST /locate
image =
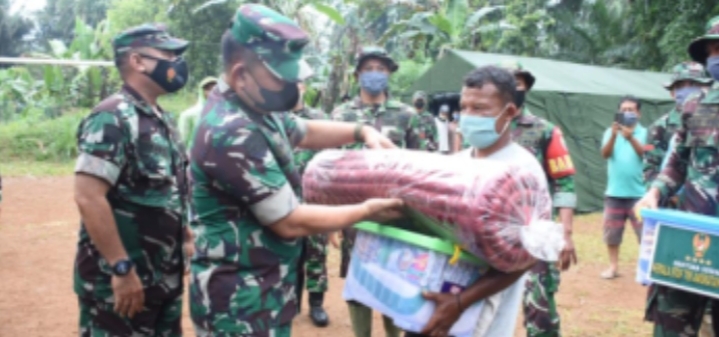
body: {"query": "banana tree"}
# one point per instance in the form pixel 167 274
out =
pixel 446 27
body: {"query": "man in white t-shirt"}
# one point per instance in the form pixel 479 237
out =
pixel 487 108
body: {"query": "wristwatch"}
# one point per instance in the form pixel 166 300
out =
pixel 122 267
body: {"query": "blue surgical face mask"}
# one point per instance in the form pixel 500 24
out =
pixel 713 67
pixel 481 132
pixel 630 118
pixel 373 82
pixel 681 94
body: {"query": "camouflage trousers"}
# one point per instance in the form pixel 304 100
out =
pixel 315 264
pixel 159 319
pixel 677 313
pixel 541 318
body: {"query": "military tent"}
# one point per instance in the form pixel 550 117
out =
pixel 581 99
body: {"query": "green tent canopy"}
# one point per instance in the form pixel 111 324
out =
pixel 580 99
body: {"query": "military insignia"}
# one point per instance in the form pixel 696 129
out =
pixel 171 74
pixel 701 244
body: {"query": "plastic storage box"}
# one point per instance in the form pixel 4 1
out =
pixel 391 267
pixel 680 250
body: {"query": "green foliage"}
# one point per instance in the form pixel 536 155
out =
pixel 124 14
pixel 13 28
pixel 409 71
pixel 40 139
pixel 57 20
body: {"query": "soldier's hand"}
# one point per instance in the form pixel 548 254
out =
pixel 375 140
pixel 335 239
pixel 446 312
pixel 128 293
pixel 189 249
pixel 383 210
pixel 568 255
pixel 650 200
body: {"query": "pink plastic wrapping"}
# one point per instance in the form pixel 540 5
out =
pixel 498 212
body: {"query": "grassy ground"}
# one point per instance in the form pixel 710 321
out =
pixel 24 168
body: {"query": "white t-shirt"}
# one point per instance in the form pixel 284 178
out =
pixel 442 134
pixel 499 313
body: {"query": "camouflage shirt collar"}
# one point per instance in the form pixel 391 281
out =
pixel 134 97
pixel 674 117
pixel 525 117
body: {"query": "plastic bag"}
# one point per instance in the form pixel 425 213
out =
pixel 498 212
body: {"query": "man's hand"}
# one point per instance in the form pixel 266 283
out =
pixel 627 131
pixel 129 295
pixel 335 239
pixel 568 255
pixel 446 312
pixel 375 140
pixel 189 248
pixel 615 128
pixel 383 210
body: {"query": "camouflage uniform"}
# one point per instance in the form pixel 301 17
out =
pixel 243 180
pixel 545 141
pixel 138 153
pixel 691 166
pixel 315 262
pixel 662 130
pixel 427 125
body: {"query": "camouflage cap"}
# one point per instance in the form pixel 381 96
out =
pixel 147 35
pixel 379 53
pixel 516 68
pixel 419 95
pixel 698 47
pixel 274 38
pixel 688 71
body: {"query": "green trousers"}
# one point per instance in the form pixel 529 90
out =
pixel 361 317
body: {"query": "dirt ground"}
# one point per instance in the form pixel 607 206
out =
pixel 38 231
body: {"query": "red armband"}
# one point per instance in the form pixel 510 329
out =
pixel 559 163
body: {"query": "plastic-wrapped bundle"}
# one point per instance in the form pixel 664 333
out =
pixel 498 212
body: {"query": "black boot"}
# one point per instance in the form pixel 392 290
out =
pixel 317 313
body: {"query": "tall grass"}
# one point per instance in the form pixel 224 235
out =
pixel 38 139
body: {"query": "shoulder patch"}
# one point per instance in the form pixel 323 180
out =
pixel 559 163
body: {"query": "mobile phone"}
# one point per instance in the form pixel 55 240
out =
pixel 619 118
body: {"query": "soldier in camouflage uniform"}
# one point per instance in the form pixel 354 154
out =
pixel 313 262
pixel 131 190
pixel 545 141
pixel 398 122
pixel 245 184
pixel 691 167
pixel 427 125
pixel 688 78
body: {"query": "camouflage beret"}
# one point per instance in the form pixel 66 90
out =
pixel 274 38
pixel 688 71
pixel 698 47
pixel 516 68
pixel 147 35
pixel 379 53
pixel 419 95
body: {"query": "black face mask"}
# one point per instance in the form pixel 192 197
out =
pixel 278 101
pixel 419 104
pixel 519 98
pixel 171 76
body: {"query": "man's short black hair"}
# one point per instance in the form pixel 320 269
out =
pixel 233 51
pixel 630 98
pixel 503 80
